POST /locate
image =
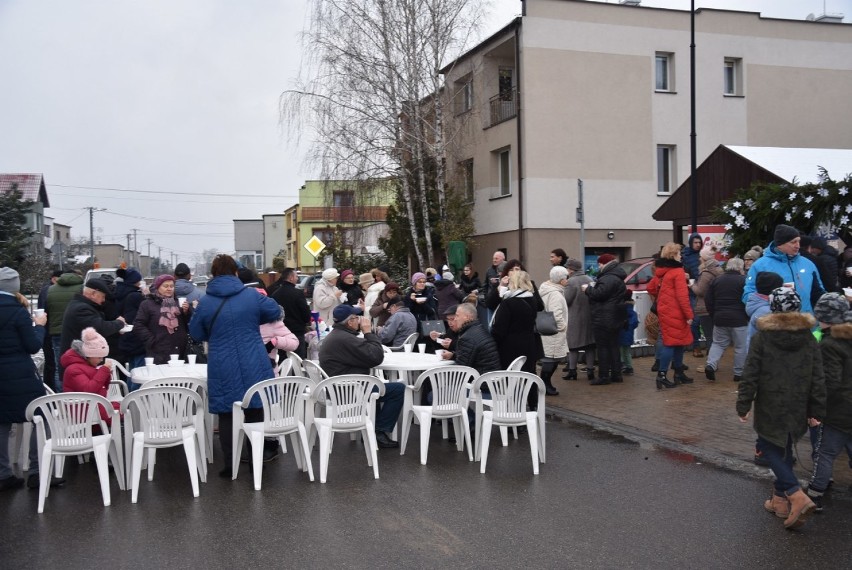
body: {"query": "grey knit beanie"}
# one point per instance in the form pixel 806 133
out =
pixel 833 309
pixel 10 281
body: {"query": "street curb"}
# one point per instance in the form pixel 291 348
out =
pixel 645 438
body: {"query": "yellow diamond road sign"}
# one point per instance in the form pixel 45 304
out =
pixel 315 246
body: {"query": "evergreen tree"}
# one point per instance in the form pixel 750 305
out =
pixel 14 236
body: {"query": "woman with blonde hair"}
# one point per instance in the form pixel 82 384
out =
pixel 669 286
pixel 513 326
pixel 555 346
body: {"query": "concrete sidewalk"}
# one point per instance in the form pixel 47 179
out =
pixel 697 419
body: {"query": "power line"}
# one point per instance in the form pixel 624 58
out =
pixel 169 221
pixel 148 200
pixel 170 192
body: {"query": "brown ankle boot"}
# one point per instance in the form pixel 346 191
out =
pixel 697 353
pixel 779 506
pixel 801 508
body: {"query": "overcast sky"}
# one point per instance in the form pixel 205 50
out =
pixel 177 101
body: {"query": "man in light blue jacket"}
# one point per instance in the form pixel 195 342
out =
pixel 781 256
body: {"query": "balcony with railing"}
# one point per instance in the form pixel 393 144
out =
pixel 344 213
pixel 503 106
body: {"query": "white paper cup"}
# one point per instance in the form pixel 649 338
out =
pixel 174 356
pixel 440 354
pixel 406 347
pixel 191 358
pixel 421 347
pixel 38 312
pixel 849 271
pixel 149 362
pixel 181 301
pixel 848 292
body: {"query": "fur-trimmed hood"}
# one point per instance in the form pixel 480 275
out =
pixel 786 322
pixel 843 331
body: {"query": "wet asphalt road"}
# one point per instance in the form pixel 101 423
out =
pixel 599 502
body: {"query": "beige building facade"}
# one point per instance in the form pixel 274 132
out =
pixel 601 92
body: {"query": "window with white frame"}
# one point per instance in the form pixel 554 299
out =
pixel 504 172
pixel 666 168
pixel 664 72
pixel 733 76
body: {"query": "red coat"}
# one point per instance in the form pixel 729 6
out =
pixel 80 376
pixel 670 288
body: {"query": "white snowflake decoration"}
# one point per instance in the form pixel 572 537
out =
pixel 823 192
pixel 737 204
pixel 728 227
pixel 788 216
pixel 808 214
pixel 775 205
pixel 836 208
pixel 792 196
pixel 749 203
pixel 843 191
pixel 849 208
pixel 844 220
pixel 809 199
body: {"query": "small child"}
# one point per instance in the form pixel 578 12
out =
pixel 625 337
pixel 783 377
pixel 81 364
pixel 758 302
pixel 835 432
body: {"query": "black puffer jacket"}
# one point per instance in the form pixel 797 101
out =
pixel 783 376
pixel 476 348
pixel 127 300
pixel 836 348
pixel 826 263
pixel 606 298
pixel 724 300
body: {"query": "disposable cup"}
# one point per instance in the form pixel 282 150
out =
pixel 406 348
pixel 181 301
pixel 174 356
pixel 440 354
pixel 149 362
pixel 191 358
pixel 421 347
pixel 38 312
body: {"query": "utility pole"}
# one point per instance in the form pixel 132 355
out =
pixel 92 211
pixel 135 248
pixel 693 187
pixel 159 259
pixel 128 252
pixel 581 219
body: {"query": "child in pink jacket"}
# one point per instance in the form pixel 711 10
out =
pixel 277 336
pixel 81 364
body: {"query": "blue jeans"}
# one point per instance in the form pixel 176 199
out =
pixel 671 355
pixel 830 442
pixel 780 460
pixel 391 406
pixel 55 340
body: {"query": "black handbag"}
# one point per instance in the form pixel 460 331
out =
pixel 427 327
pixel 545 323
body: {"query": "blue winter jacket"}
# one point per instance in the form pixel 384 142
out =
pixel 237 358
pixel 797 270
pixel 756 307
pixel 19 340
pixel 625 337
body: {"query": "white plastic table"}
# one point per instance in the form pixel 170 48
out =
pixel 142 374
pixel 409 365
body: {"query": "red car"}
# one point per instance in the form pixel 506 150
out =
pixel 639 272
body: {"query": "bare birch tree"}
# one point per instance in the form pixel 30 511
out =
pixel 371 96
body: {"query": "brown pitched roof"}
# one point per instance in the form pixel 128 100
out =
pixel 31 186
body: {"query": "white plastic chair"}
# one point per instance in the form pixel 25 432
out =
pixel 449 401
pixel 350 407
pixel 516 364
pixel 509 390
pixel 411 340
pixel 20 446
pixel 283 401
pixel 160 413
pixel 205 435
pixel 296 369
pixel 284 368
pixel 70 417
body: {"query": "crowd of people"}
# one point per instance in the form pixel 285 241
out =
pixel 771 306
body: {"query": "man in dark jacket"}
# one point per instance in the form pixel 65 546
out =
pixel 825 259
pixel 606 300
pixel 691 259
pixel 50 359
pixel 86 310
pixel 725 305
pixel 474 346
pixel 297 314
pixel 343 352
pixel 184 287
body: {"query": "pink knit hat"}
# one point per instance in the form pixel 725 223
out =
pixel 94 345
pixel 160 280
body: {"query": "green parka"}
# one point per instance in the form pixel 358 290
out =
pixel 836 348
pixel 58 296
pixel 783 376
